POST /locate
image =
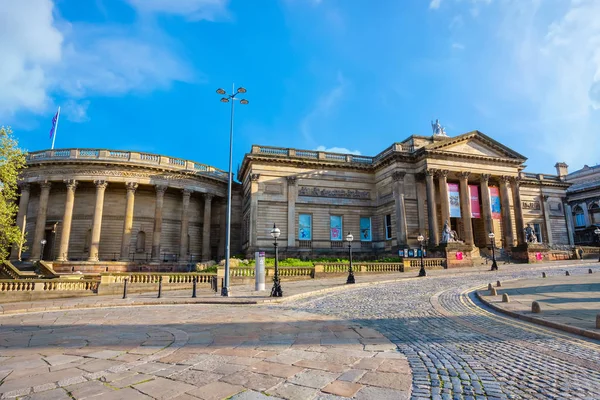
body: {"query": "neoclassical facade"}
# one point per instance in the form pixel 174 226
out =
pixel 584 203
pixel 471 183
pixel 95 204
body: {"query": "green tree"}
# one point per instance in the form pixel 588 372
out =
pixel 12 160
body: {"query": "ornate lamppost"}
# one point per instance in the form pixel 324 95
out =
pixel 493 244
pixel 276 291
pixel 43 242
pixel 597 232
pixel 422 271
pixel 349 239
pixel 229 98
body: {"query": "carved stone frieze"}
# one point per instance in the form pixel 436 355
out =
pixel 340 193
pixel 531 205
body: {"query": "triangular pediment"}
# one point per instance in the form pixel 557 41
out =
pixel 475 144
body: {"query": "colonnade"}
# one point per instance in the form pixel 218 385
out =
pixel 101 185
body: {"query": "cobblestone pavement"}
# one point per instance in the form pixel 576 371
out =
pixel 458 349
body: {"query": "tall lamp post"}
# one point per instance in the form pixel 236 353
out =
pixel 597 232
pixel 229 98
pixel 349 239
pixel 43 242
pixel 422 271
pixel 493 243
pixel 276 291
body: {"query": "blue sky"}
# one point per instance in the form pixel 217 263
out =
pixel 346 74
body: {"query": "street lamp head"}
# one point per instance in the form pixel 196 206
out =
pixel 43 241
pixel 491 235
pixel 597 231
pixel 349 237
pixel 220 91
pixel 241 90
pixel 224 100
pixel 275 232
pixel 420 238
pixel 244 101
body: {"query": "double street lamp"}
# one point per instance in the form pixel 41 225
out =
pixel 229 98
pixel 276 291
pixel 422 271
pixel 597 232
pixel 493 243
pixel 349 239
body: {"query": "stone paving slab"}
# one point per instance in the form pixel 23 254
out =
pixel 569 303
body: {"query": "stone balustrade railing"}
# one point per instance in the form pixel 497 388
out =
pixel 166 277
pixel 129 157
pixel 323 155
pixel 427 262
pixel 9 271
pixel 47 285
pixel 359 266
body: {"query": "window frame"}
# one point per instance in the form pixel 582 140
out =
pixel 370 239
pixel 310 227
pixel 341 238
pixel 579 215
pixel 388 227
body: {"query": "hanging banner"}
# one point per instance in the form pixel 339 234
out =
pixel 495 202
pixel 454 200
pixel 474 195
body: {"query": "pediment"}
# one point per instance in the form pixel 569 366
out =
pixel 475 144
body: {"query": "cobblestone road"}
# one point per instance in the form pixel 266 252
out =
pixel 458 349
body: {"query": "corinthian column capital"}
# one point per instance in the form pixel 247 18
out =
pixel 131 186
pixel 101 184
pixel 71 184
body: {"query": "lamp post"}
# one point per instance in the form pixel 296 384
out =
pixel 276 291
pixel 597 232
pixel 349 239
pixel 229 98
pixel 422 271
pixel 493 243
pixel 43 242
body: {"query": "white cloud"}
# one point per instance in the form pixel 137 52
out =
pixel 75 111
pixel 341 150
pixel 435 4
pixel 194 10
pixel 45 57
pixel 324 106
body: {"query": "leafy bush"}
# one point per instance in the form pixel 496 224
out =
pixel 212 269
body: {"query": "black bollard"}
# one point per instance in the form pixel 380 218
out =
pixel 590 271
pixel 194 288
pixel 125 288
pixel 160 288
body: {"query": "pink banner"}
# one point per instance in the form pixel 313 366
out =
pixel 495 202
pixel 474 195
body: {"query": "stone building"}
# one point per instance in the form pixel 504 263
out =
pixel 584 203
pixel 91 204
pixel 413 187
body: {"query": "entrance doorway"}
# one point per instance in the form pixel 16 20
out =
pixel 49 237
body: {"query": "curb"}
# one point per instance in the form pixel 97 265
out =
pixel 538 321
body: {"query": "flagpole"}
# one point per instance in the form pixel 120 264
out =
pixel 55 127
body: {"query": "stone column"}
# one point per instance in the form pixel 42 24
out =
pixel 586 214
pixel 15 252
pixel 63 250
pixel 291 220
pixel 444 199
pixel 183 234
pixel 486 204
pixel 253 210
pixel 206 221
pixel 546 211
pixel 40 222
pixel 222 229
pixel 569 221
pixel 398 190
pixel 518 207
pixel 97 221
pixel 128 223
pixel 506 221
pixel 465 207
pixel 421 196
pixel 434 235
pixel 160 195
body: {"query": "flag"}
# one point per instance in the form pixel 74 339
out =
pixel 54 121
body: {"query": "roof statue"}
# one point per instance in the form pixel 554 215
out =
pixel 438 130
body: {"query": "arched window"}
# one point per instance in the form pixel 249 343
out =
pixel 140 242
pixel 579 216
pixel 595 213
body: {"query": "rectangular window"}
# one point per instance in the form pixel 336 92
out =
pixel 388 226
pixel 579 220
pixel 538 232
pixel 365 229
pixel 305 227
pixel 335 227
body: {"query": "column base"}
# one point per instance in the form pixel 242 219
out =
pixel 62 259
pixel 93 259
